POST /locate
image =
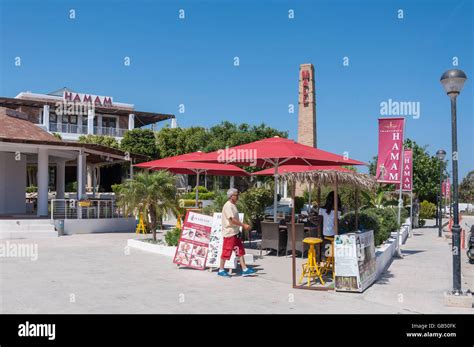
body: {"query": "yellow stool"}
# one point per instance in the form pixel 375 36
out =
pixel 311 269
pixel 329 263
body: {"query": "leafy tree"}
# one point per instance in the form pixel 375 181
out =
pixel 227 134
pixel 466 188
pixel 103 140
pixel 253 201
pixel 153 194
pixel 379 199
pixel 140 141
pixel 177 141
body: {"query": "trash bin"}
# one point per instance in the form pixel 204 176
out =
pixel 59 226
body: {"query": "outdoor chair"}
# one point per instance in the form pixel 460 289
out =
pixel 272 237
pixel 299 236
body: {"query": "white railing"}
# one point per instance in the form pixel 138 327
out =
pixel 85 209
pixel 83 130
pixel 108 131
pixel 68 128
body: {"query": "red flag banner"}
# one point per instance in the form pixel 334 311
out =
pixel 407 180
pixel 446 188
pixel 389 163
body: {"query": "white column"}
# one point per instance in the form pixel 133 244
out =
pixel 90 120
pixel 174 123
pixel 94 181
pixel 99 124
pixel 80 118
pixel 43 179
pixel 81 166
pixel 46 116
pixel 285 189
pixel 89 170
pixel 232 181
pixel 131 121
pixel 60 179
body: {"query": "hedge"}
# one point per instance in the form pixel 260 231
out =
pixel 382 221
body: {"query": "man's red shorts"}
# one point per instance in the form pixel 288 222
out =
pixel 231 244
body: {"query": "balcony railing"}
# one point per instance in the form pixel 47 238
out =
pixel 68 128
pixel 114 132
pixel 82 129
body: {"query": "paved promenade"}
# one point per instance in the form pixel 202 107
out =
pixel 94 274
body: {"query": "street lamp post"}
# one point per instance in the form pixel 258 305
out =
pixel 441 154
pixel 453 81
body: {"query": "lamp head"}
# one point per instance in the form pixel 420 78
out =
pixel 453 81
pixel 441 154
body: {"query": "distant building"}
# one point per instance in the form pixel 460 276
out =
pixel 73 114
pixel 30 155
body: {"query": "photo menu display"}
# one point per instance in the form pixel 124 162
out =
pixel 193 244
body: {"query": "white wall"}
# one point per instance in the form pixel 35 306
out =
pixel 12 184
pixel 87 226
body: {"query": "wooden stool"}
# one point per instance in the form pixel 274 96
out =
pixel 311 268
pixel 329 263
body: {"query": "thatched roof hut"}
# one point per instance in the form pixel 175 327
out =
pixel 331 177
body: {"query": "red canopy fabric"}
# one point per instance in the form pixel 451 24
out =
pixel 178 165
pixel 275 151
pixel 298 168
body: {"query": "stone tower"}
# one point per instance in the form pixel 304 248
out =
pixel 307 106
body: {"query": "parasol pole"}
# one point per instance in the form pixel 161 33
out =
pixel 400 199
pixel 318 196
pixel 411 214
pixel 197 190
pixel 309 193
pixel 275 198
pixel 336 221
pixel 357 208
pixel 293 237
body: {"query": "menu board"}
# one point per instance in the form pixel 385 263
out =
pixel 354 261
pixel 215 244
pixel 193 244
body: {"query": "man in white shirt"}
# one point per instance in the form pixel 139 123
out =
pixel 230 231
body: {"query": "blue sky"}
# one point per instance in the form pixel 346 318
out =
pixel 191 61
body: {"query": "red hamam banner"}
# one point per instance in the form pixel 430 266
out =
pixel 407 179
pixel 389 163
pixel 447 188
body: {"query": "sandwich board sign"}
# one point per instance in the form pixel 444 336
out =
pixel 355 264
pixel 193 244
pixel 215 244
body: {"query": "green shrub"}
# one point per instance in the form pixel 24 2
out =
pixel 299 203
pixel 253 201
pixel 388 222
pixel 183 203
pixel 172 237
pixel 71 187
pixel 369 219
pixel 427 210
pixel 202 196
pixel 31 189
pixel 220 199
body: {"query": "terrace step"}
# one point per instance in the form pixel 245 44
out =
pixel 26 228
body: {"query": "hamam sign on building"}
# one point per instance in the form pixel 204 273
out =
pixel 390 154
pixel 97 100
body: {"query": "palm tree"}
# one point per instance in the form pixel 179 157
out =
pixel 153 194
pixel 379 199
